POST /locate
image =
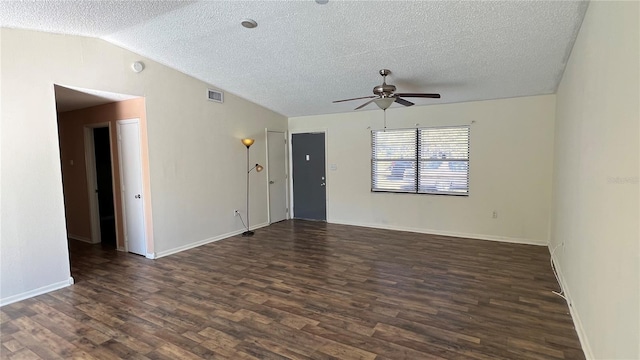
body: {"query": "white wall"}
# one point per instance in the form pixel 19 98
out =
pixel 197 163
pixel 596 181
pixel 511 149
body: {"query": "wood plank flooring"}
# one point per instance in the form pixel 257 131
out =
pixel 302 290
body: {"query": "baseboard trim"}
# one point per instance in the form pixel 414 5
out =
pixel 446 233
pixel 35 292
pixel 80 238
pixel 577 323
pixel 178 249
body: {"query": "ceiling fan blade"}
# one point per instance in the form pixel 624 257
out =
pixel 358 98
pixel 419 95
pixel 365 104
pixel 403 101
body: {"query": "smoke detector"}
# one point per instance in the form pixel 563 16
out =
pixel 137 66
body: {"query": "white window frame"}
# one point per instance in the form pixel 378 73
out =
pixel 430 160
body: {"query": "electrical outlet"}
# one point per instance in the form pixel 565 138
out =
pixel 235 212
pixel 495 214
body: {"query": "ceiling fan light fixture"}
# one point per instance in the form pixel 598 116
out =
pixel 385 94
pixel 384 103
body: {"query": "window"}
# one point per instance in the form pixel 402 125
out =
pixel 424 161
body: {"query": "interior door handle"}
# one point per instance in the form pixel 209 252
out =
pixel 272 182
pixel 137 196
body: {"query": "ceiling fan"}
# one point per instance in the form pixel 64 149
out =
pixel 384 95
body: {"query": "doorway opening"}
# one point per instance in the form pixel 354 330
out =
pixel 91 159
pixel 104 188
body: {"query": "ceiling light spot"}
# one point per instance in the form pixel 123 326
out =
pixel 249 23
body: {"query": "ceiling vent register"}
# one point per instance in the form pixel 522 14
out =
pixel 215 95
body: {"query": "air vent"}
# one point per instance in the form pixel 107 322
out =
pixel 215 95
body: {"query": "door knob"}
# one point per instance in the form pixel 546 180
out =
pixel 323 184
pixel 272 182
pixel 137 196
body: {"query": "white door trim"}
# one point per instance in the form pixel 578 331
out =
pixel 326 172
pixel 286 160
pixel 92 177
pixel 122 194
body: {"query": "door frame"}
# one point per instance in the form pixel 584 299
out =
pixel 286 167
pixel 92 178
pixel 122 199
pixel 326 172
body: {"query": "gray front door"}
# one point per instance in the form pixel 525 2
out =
pixel 309 190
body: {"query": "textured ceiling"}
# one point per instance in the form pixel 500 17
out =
pixel 303 55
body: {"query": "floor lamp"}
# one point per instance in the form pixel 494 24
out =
pixel 258 167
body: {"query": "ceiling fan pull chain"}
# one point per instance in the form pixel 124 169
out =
pixel 385 119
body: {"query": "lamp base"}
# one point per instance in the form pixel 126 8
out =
pixel 248 233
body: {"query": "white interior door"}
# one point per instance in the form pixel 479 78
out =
pixel 277 172
pixel 131 184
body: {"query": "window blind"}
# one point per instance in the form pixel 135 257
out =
pixel 393 164
pixel 426 160
pixel 444 160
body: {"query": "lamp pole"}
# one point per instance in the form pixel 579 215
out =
pixel 248 143
pixel 248 232
pixel 258 167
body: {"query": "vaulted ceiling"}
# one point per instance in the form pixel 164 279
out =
pixel 303 55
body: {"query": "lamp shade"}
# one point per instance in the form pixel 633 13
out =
pixel 385 102
pixel 248 142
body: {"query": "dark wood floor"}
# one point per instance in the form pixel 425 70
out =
pixel 302 290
